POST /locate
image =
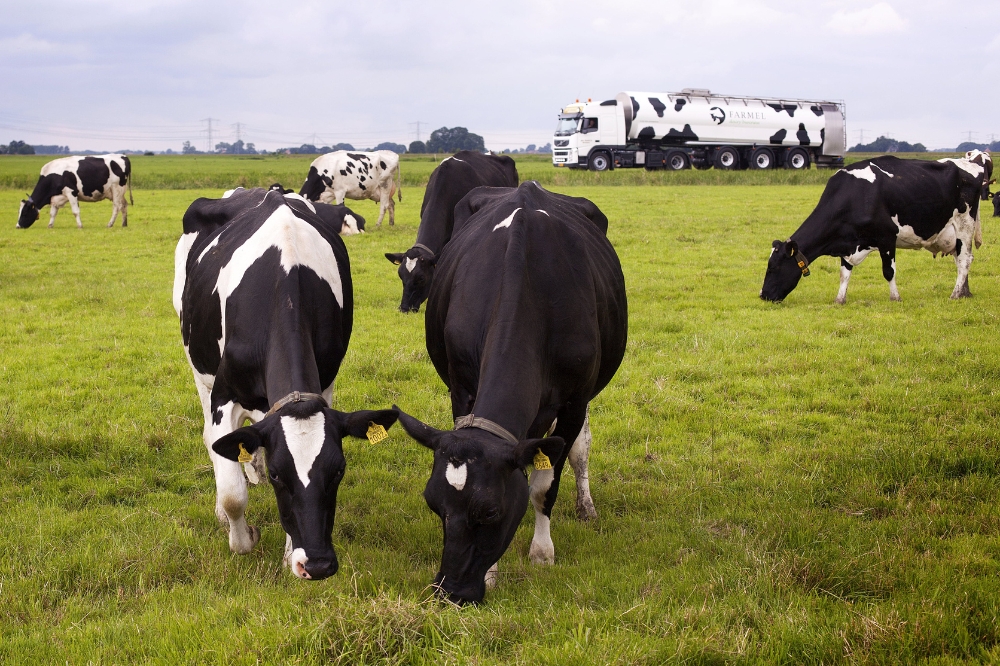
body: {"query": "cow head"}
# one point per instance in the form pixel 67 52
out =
pixel 353 224
pixel 315 185
pixel 479 490
pixel 305 463
pixel 985 160
pixel 783 271
pixel 996 204
pixel 416 270
pixel 27 214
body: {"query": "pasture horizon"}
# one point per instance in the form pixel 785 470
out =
pixel 793 483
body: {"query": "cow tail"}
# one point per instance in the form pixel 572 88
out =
pixel 399 184
pixel 129 182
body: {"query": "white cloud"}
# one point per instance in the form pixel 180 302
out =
pixel 877 19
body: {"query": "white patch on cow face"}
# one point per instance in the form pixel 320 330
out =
pixel 411 263
pixel 506 223
pixel 304 438
pixel 350 227
pixel 299 244
pixel 863 174
pixel 456 475
pixel 180 267
pixel 297 563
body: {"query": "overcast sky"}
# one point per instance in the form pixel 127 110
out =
pixel 112 75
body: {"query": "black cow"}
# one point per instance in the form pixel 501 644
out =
pixel 526 322
pixel 75 179
pixel 882 204
pixel 451 180
pixel 262 286
pixel 996 204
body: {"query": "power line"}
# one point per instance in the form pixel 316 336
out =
pixel 418 123
pixel 209 121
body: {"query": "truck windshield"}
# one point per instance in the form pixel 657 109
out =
pixel 566 126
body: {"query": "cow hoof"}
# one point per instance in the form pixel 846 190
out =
pixel 898 299
pixel 254 535
pixel 841 301
pixel 585 510
pixel 539 554
pixel 492 576
pixel 246 546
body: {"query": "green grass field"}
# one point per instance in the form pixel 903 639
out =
pixel 794 483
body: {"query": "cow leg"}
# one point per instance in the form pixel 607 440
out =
pixel 847 265
pixel 544 485
pixel 230 484
pixel 579 455
pixel 491 576
pixel 964 232
pixel 74 205
pixel 114 213
pixel 381 212
pixel 52 215
pixel 392 211
pixel 889 272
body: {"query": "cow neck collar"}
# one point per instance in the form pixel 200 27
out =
pixel 801 260
pixel 478 422
pixel 295 396
pixel 424 247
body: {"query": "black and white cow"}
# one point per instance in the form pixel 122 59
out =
pixel 75 179
pixel 882 204
pixel 526 322
pixel 340 174
pixel 455 177
pixel 262 286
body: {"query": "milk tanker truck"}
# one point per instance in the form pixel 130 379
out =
pixel 698 128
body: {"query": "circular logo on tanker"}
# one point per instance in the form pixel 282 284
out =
pixel 718 115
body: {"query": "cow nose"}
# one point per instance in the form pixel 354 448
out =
pixel 320 568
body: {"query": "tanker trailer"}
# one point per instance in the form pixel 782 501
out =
pixel 698 128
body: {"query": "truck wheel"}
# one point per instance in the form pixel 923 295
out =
pixel 677 161
pixel 727 159
pixel 797 159
pixel 762 158
pixel 600 161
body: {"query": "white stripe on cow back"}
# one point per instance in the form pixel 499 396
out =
pixel 506 222
pixel 304 439
pixel 298 243
pixel 863 174
pixel 456 475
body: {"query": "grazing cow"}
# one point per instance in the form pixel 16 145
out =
pixel 342 174
pixel 454 178
pixel 75 179
pixel 526 322
pixel 262 286
pixel 880 205
pixel 996 204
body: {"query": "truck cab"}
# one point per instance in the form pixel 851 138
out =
pixel 583 127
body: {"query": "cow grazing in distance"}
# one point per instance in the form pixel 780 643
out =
pixel 996 204
pixel 526 323
pixel 75 179
pixel 452 179
pixel 354 175
pixel 262 286
pixel 882 204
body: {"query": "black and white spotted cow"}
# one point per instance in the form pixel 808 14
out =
pixel 340 174
pixel 75 179
pixel 526 322
pixel 262 286
pixel 882 204
pixel 455 177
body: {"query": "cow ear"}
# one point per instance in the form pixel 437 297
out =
pixel 527 449
pixel 249 437
pixel 792 248
pixel 418 430
pixel 776 244
pixel 356 424
pixel 395 257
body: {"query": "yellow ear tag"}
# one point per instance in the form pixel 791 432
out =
pixel 376 433
pixel 542 461
pixel 244 457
